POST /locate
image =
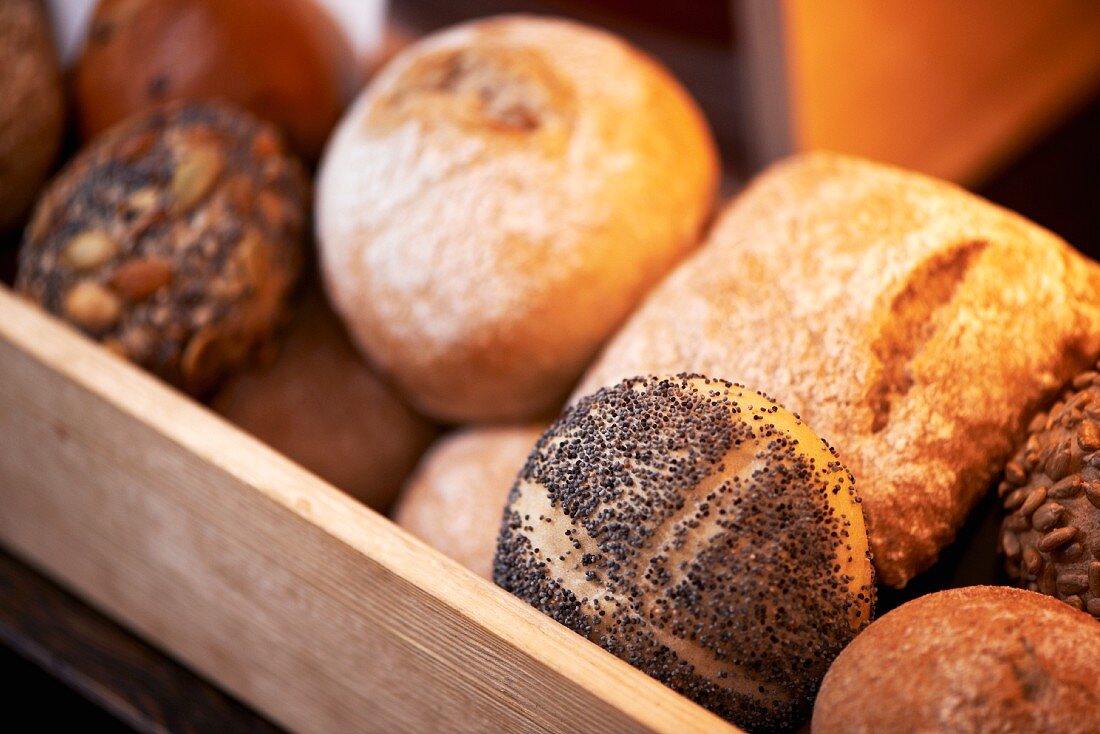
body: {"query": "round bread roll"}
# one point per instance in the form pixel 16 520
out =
pixel 173 239
pixel 1051 493
pixel 32 112
pixel 702 533
pixel 975 660
pixel 286 61
pixel 498 201
pixel 320 405
pixel 456 498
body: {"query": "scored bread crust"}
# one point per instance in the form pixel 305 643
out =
pixel 915 325
pixel 496 204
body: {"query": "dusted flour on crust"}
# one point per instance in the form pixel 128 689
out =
pixel 497 203
pixel 916 325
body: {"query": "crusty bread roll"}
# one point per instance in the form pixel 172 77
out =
pixel 979 660
pixel 915 325
pixel 320 405
pixel 455 500
pixel 498 201
pixel 285 61
pixel 702 533
pixel 32 110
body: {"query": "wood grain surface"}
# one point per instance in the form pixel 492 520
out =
pixel 114 670
pixel 308 606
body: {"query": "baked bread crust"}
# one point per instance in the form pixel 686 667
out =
pixel 319 404
pixel 498 202
pixel 981 659
pixel 916 325
pixel 455 500
pixel 32 113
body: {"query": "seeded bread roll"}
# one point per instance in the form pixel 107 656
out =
pixel 1051 494
pixel 916 325
pixel 319 404
pixel 174 239
pixel 285 61
pixel 31 106
pixel 702 533
pixel 978 660
pixel 456 498
pixel 498 201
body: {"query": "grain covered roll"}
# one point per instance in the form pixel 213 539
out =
pixel 174 239
pixel 498 201
pixel 702 533
pixel 916 325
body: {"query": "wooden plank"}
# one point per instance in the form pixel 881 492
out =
pixel 112 668
pixel 286 592
pixel 952 89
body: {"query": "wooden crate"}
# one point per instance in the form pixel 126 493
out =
pixel 307 605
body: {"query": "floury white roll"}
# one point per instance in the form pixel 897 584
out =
pixel 498 201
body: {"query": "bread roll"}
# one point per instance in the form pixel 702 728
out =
pixel 174 239
pixel 1051 496
pixel 498 201
pixel 977 660
pixel 455 500
pixel 318 404
pixel 915 325
pixel 32 111
pixel 286 61
pixel 700 532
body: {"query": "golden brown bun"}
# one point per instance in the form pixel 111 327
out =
pixel 915 325
pixel 32 109
pixel 455 500
pixel 285 61
pixel 498 201
pixel 699 531
pixel 977 660
pixel 322 407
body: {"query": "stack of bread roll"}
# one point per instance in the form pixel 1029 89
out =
pixel 700 449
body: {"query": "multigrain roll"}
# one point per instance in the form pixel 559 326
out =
pixel 1051 497
pixel 977 660
pixel 702 533
pixel 456 498
pixel 32 110
pixel 174 239
pixel 916 325
pixel 319 404
pixel 498 201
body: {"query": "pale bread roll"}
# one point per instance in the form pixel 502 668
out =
pixel 455 500
pixel 915 325
pixel 499 200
